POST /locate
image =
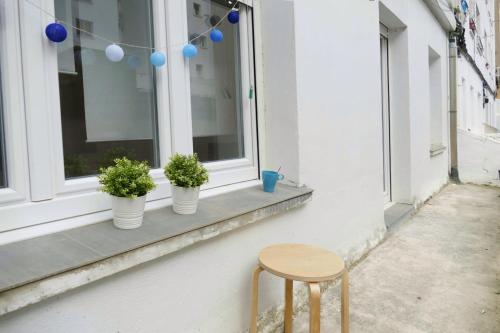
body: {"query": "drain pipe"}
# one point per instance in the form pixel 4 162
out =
pixel 453 110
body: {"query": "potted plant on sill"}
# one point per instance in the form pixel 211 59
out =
pixel 186 175
pixel 127 182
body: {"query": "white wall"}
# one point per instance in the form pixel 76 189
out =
pixel 328 64
pixel 497 113
pixel 478 158
pixel 280 88
pixel 484 27
pixel 472 115
pixel 414 31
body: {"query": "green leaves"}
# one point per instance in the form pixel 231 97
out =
pixel 131 179
pixel 127 179
pixel 186 171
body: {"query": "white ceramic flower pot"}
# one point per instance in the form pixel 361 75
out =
pixel 128 213
pixel 185 199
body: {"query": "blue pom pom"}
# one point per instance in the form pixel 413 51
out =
pixel 56 32
pixel 233 17
pixel 189 51
pixel 216 35
pixel 158 59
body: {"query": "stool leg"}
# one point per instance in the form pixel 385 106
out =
pixel 345 302
pixel 255 299
pixel 288 306
pixel 314 308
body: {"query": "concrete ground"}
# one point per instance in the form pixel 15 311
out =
pixel 438 272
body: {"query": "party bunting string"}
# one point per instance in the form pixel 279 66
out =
pixel 57 33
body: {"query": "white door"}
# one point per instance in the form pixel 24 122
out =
pixel 386 136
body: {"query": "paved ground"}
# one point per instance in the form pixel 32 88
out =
pixel 439 272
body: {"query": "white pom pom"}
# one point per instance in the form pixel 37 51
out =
pixel 114 53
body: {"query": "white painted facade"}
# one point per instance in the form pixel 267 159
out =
pixel 476 69
pixel 318 80
pixel 479 158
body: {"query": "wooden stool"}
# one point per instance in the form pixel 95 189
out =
pixel 302 263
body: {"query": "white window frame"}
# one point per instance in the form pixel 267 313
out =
pixel 54 198
pixel 67 186
pixel 221 172
pixel 12 106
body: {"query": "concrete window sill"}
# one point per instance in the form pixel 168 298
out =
pixel 437 149
pixel 42 267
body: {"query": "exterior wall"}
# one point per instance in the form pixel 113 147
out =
pixel 497 60
pixel 335 147
pixel 476 68
pixel 484 36
pixel 497 34
pixel 428 173
pixel 416 31
pixel 472 117
pixel 280 94
pixel 497 108
pixel 479 158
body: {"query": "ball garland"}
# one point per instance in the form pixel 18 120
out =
pixel 216 35
pixel 56 32
pixel 158 59
pixel 233 17
pixel 114 53
pixel 190 51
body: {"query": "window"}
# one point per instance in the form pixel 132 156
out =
pixel 435 98
pixel 3 164
pixel 13 158
pixel 196 9
pixel 463 105
pixel 108 110
pixel 216 88
pixel 74 110
pixel 85 27
pixel 478 20
pixel 479 44
pixel 486 51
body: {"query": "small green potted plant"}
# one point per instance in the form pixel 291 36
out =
pixel 186 175
pixel 127 182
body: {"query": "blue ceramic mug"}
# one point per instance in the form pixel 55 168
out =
pixel 269 179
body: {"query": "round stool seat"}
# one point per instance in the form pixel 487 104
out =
pixel 301 262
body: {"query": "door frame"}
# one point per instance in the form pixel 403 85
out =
pixel 385 113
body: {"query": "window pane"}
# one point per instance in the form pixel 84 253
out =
pixel 108 109
pixel 215 84
pixel 3 167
